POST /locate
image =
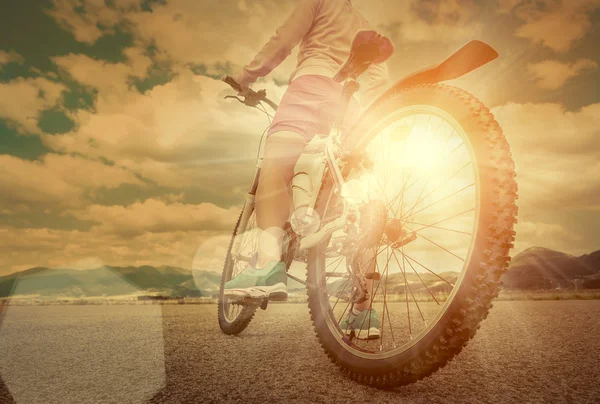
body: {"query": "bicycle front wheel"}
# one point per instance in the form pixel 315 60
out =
pixel 234 316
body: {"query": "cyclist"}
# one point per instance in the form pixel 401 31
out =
pixel 324 29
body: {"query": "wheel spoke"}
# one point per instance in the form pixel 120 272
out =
pixel 384 305
pixel 424 267
pixel 409 288
pixel 443 220
pixel 457 147
pixel 345 309
pixel 338 299
pixel 437 227
pixel 427 181
pixel 418 179
pixel 437 245
pixel 402 192
pixel 376 289
pixel 423 282
pixel 440 200
pixel 337 261
pixel 406 298
pixel 419 200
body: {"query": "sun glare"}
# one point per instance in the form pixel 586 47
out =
pixel 419 152
pixel 423 173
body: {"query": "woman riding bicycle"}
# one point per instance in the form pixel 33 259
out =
pixel 324 29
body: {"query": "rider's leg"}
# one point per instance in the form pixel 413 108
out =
pixel 282 150
pixel 369 264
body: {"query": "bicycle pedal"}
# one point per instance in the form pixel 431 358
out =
pixel 247 301
pixel 278 297
pixel 376 276
pixel 408 239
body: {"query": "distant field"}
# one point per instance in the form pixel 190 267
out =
pixel 550 295
pixel 295 297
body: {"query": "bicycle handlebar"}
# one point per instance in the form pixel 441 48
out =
pixel 252 98
pixel 229 80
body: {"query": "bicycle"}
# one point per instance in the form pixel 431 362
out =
pixel 417 198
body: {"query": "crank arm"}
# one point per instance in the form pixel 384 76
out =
pixel 408 239
pixel 307 284
pixel 243 258
pixel 326 230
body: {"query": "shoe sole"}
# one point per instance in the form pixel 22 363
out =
pixel 275 293
pixel 372 333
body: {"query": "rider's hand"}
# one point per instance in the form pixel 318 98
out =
pixel 238 77
pixel 244 92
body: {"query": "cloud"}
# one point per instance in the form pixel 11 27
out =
pixel 552 74
pixel 549 128
pixel 557 154
pixel 10 57
pixel 57 181
pixel 207 33
pixel 179 134
pixel 23 100
pixel 555 24
pixel 26 248
pixel 225 36
pixel 182 31
pixel 111 78
pixel 156 216
pixel 149 233
pixel 419 21
pixel 89 20
pixel 549 235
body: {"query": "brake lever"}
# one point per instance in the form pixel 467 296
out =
pixel 254 98
pixel 237 98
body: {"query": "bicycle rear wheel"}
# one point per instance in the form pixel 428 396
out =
pixel 443 177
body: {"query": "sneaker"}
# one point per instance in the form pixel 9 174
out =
pixel 365 325
pixel 269 282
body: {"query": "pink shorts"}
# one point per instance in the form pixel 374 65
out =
pixel 310 106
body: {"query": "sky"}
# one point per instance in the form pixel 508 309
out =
pixel 117 147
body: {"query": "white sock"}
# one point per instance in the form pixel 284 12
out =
pixel 269 246
pixel 355 311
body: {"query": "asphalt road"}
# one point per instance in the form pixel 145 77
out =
pixel 524 352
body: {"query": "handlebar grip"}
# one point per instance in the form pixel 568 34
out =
pixel 252 98
pixel 229 80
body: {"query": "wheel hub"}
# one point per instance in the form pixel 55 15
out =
pixel 396 235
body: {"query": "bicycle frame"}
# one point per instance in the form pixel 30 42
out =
pixel 320 155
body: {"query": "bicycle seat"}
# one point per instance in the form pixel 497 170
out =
pixel 368 47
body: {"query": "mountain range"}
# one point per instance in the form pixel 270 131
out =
pixel 533 269
pixel 542 269
pixel 110 281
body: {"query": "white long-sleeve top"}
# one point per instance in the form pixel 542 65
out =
pixel 324 29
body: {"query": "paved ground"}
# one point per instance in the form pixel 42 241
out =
pixel 524 352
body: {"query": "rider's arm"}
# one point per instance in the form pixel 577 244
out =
pixel 281 43
pixel 377 82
